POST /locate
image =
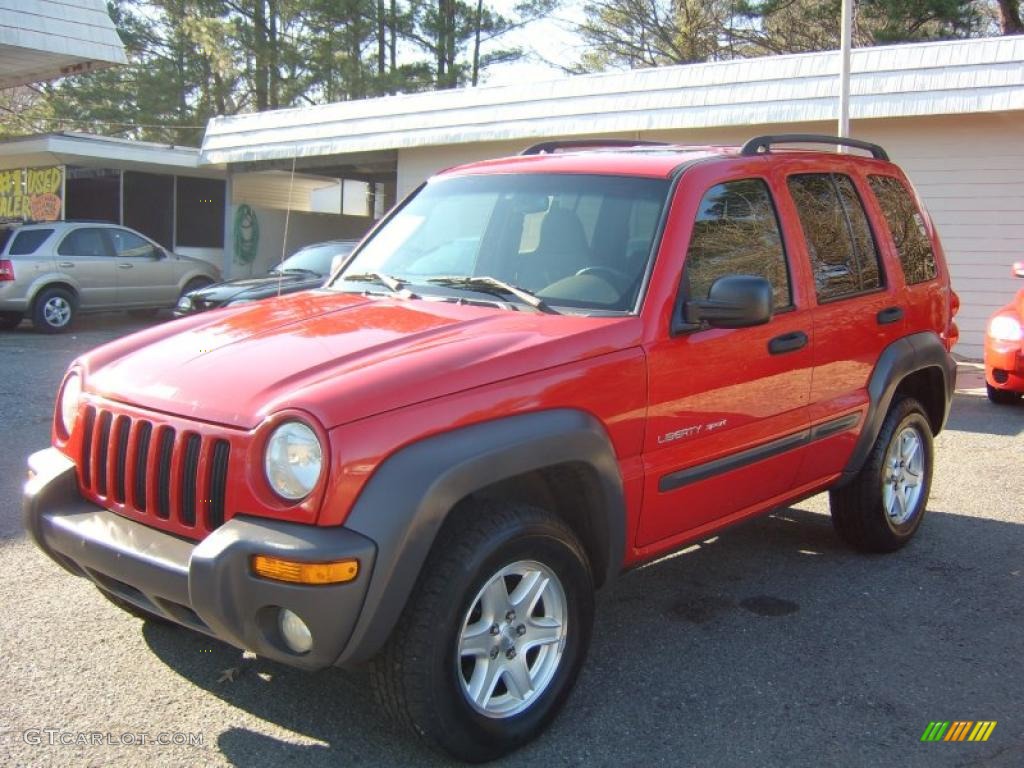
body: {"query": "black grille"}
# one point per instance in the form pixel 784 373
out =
pixel 163 473
pixel 189 478
pixel 139 465
pixel 145 430
pixel 104 450
pixel 218 482
pixel 124 424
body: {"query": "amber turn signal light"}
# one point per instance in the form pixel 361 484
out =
pixel 336 572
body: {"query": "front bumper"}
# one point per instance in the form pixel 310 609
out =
pixel 1004 364
pixel 207 586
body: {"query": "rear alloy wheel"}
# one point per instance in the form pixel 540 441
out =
pixel 1002 396
pixel 881 508
pixel 492 639
pixel 53 311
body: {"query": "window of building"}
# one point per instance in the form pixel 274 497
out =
pixel 842 249
pixel 906 226
pixel 92 194
pixel 28 242
pixel 149 205
pixel 737 233
pixel 200 213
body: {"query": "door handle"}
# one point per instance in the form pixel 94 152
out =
pixel 890 315
pixel 787 342
pixel 125 266
pixel 66 264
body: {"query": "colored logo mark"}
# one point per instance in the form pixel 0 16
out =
pixel 958 730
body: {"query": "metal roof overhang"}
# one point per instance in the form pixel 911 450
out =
pixel 46 39
pixel 103 152
pixel 985 75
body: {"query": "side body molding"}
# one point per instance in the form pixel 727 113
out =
pixel 408 498
pixel 917 352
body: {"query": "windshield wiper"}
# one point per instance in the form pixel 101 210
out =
pixel 487 284
pixel 299 269
pixel 390 282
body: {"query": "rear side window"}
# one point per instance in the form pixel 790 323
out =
pixel 842 249
pixel 87 241
pixel 737 233
pixel 28 242
pixel 906 227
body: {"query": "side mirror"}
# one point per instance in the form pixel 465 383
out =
pixel 734 301
pixel 1018 269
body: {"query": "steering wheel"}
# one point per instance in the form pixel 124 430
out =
pixel 611 275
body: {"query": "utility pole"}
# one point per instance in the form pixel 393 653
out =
pixel 844 69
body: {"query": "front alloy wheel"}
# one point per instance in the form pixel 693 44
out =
pixel 492 639
pixel 512 639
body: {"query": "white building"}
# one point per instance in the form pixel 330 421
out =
pixel 951 113
pixel 46 39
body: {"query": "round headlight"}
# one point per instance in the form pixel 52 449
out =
pixel 185 303
pixel 293 460
pixel 1005 328
pixel 69 398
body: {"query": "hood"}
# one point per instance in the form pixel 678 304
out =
pixel 252 288
pixel 339 357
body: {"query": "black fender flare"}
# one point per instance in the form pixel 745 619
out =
pixel 900 359
pixel 408 498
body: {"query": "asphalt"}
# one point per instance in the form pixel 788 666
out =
pixel 772 645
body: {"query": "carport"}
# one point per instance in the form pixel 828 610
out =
pixel 157 189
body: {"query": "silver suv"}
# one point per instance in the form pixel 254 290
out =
pixel 51 272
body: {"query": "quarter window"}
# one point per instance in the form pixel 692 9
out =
pixel 906 227
pixel 28 242
pixel 842 249
pixel 737 233
pixel 88 241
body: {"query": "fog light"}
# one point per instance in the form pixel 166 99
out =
pixel 294 631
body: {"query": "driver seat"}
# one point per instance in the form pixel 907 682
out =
pixel 562 248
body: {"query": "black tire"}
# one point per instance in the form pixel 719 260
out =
pixel 54 310
pixel 1002 396
pixel 420 678
pixel 133 609
pixel 195 284
pixel 9 320
pixel 859 508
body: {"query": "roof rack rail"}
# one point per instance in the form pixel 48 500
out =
pixel 548 147
pixel 761 144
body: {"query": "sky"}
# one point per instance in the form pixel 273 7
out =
pixel 547 40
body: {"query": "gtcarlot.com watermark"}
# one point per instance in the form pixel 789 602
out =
pixel 60 737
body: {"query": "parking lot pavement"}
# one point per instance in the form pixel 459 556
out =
pixel 771 645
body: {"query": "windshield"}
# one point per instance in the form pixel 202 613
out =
pixel 314 258
pixel 575 241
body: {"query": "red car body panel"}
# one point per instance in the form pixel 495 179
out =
pixel 1006 356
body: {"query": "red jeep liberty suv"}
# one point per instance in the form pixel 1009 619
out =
pixel 535 374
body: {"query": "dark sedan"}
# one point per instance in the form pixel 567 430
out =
pixel 307 268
